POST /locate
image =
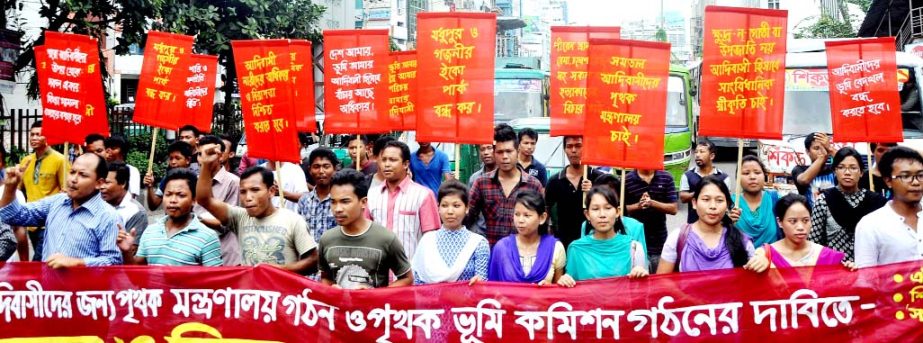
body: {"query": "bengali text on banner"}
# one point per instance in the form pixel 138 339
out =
pixel 627 98
pixel 569 61
pixel 265 304
pixel 71 88
pixel 402 86
pixel 160 101
pixel 743 72
pixel 355 81
pixel 200 91
pixel 264 77
pixel 456 52
pixel 303 85
pixel 864 99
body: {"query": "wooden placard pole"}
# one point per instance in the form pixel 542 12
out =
pixel 67 160
pixel 358 154
pixel 622 194
pixel 457 161
pixel 150 159
pixel 585 176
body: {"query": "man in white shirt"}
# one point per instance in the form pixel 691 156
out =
pixel 893 233
pixel 116 151
pixel 115 192
pixel 293 180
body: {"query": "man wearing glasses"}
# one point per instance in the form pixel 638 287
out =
pixel 892 234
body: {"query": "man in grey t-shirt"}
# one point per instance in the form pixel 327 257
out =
pixel 358 254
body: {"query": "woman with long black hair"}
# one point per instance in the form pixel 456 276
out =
pixel 711 242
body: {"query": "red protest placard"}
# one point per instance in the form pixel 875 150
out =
pixel 303 85
pixel 200 91
pixel 627 99
pixel 160 98
pixel 71 88
pixel 456 52
pixel 864 102
pixel 402 86
pixel 569 60
pixel 743 72
pixel 355 88
pixel 264 77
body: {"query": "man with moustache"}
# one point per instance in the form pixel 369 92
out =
pixel 81 228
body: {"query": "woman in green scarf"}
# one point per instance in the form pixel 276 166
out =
pixel 610 251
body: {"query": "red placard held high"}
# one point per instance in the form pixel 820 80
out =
pixel 264 77
pixel 569 60
pixel 743 72
pixel 355 81
pixel 864 99
pixel 71 88
pixel 303 85
pixel 627 98
pixel 200 91
pixel 402 85
pixel 456 53
pixel 161 85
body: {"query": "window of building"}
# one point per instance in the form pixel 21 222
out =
pixel 773 4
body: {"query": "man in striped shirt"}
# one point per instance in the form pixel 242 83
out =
pixel 81 228
pixel 179 239
pixel 406 208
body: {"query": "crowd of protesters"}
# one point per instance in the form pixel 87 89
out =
pixel 402 218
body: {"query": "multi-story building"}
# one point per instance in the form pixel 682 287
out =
pixel 676 33
pixel 388 14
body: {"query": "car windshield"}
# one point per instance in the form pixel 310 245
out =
pixel 807 103
pixel 549 150
pixel 676 102
pixel 517 98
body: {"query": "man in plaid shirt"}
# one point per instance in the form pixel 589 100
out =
pixel 494 193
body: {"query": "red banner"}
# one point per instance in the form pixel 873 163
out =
pixel 743 72
pixel 569 60
pixel 266 98
pixel 71 88
pixel 402 85
pixel 456 52
pixel 355 88
pixel 627 99
pixel 200 91
pixel 159 101
pixel 864 102
pixel 264 304
pixel 303 85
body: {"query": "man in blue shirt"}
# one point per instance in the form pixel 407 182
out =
pixel 81 228
pixel 429 166
pixel 528 139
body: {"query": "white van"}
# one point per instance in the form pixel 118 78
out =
pixel 807 108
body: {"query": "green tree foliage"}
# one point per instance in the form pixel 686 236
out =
pixel 827 27
pixel 214 23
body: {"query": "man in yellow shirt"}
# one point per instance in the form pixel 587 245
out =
pixel 43 175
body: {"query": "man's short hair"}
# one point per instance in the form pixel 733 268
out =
pixel 212 139
pixel 505 133
pixel 195 131
pixel 809 139
pixel 354 178
pixel 117 142
pixel 229 139
pixel 325 154
pixel 874 145
pixel 266 174
pixel 182 174
pixel 37 123
pixel 181 147
pixel 121 172
pixel 380 144
pixel 362 138
pixel 93 137
pixel 405 150
pixel 102 169
pixel 567 138
pixel 886 165
pixel 707 143
pixel 527 132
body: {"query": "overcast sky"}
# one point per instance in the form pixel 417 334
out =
pixel 615 12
